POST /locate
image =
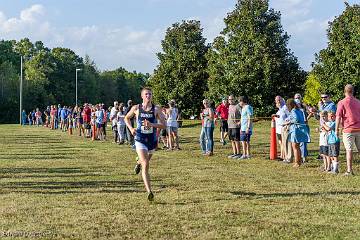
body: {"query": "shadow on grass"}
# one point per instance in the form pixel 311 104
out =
pixel 286 195
pixel 68 187
pixel 18 173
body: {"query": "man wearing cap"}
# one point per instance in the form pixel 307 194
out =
pixel 222 111
pixel 348 115
pixel 324 105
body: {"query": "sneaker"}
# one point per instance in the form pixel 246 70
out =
pixel 349 173
pixel 243 157
pixel 137 168
pixel 286 161
pixel 133 147
pixel 231 155
pixel 151 197
pixel 209 154
pixel 224 143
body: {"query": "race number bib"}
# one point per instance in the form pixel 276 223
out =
pixel 147 130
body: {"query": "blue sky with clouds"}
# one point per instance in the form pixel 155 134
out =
pixel 128 33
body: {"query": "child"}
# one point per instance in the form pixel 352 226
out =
pixel 246 126
pixel 333 142
pixel 324 148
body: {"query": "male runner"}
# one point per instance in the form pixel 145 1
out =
pixel 148 117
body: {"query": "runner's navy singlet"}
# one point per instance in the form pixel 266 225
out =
pixel 146 135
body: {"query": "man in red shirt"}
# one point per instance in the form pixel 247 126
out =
pixel 87 118
pixel 348 115
pixel 222 111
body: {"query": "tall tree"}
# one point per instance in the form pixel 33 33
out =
pixel 250 57
pixel 339 63
pixel 181 74
pixel 62 80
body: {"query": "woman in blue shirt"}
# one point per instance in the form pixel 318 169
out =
pixel 298 131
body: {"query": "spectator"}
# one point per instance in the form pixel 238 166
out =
pixel 129 136
pixel 121 123
pixel 172 116
pixel 207 130
pixel 303 108
pixel 113 118
pixel 282 131
pixel 333 142
pixel 222 111
pixel 298 131
pixel 233 124
pixel 324 148
pixel 38 117
pixel 246 126
pixel 23 117
pixel 348 115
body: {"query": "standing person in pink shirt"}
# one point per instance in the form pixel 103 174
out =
pixel 223 113
pixel 348 115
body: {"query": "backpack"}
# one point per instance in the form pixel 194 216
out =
pixel 332 138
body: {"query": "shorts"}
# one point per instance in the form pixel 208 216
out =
pixel 324 150
pixel 245 137
pixel 99 125
pixel 234 134
pixel 352 141
pixel 172 129
pixel 224 125
pixel 163 132
pixel 334 150
pixel 141 146
pixel 87 125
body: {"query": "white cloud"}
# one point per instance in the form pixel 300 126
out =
pixel 108 47
pixel 292 8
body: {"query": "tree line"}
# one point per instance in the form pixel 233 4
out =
pixel 49 78
pixel 249 57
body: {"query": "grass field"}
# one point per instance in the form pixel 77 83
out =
pixel 56 186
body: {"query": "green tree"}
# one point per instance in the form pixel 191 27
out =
pixel 62 79
pixel 9 98
pixel 339 63
pixel 312 90
pixel 250 57
pixel 181 74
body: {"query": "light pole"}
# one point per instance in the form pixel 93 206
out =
pixel 76 76
pixel 21 86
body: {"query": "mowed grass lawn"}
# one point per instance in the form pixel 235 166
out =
pixel 56 186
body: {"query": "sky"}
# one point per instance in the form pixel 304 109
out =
pixel 128 33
